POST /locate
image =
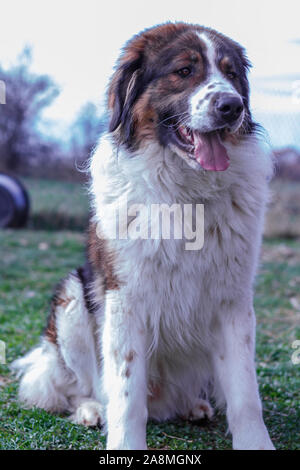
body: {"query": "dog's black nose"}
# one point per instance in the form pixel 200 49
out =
pixel 229 107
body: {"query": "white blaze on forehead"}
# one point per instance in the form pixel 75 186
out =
pixel 215 76
pixel 215 82
pixel 210 52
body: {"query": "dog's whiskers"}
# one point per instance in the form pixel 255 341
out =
pixel 181 115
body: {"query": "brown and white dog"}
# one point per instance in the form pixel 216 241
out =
pixel 149 328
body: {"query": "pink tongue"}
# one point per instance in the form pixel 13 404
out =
pixel 210 152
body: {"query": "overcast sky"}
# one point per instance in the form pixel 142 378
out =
pixel 77 41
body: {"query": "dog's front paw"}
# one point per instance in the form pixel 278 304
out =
pixel 264 446
pixel 252 440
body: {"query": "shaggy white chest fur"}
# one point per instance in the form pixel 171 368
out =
pixel 177 292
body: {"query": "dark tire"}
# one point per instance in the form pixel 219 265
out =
pixel 14 202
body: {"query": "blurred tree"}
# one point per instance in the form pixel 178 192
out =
pixel 27 94
pixel 86 129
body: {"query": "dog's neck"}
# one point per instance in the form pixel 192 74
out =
pixel 163 173
pixel 155 174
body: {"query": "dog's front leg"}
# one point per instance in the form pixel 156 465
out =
pixel 236 374
pixel 124 375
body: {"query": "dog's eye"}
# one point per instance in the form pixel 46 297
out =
pixel 184 72
pixel 231 74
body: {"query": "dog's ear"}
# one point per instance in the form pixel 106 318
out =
pixel 126 86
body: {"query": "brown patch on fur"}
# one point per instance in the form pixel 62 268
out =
pixel 248 340
pixel 155 391
pixel 51 331
pixel 63 301
pixel 130 356
pixel 60 299
pixel 226 66
pixel 222 358
pixel 127 373
pixel 145 119
pixel 101 258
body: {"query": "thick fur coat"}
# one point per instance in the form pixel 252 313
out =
pixel 149 328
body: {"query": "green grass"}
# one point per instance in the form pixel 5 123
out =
pixel 57 205
pixel 33 262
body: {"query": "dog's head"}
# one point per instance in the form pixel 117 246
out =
pixel 184 86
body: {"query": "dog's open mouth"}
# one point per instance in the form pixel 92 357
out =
pixel 206 148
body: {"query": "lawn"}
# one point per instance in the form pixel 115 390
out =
pixel 57 205
pixel 33 261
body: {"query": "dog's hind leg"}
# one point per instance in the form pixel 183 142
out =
pixel 202 409
pixel 75 327
pixel 88 412
pixel 64 366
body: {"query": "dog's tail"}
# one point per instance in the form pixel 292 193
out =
pixel 43 378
